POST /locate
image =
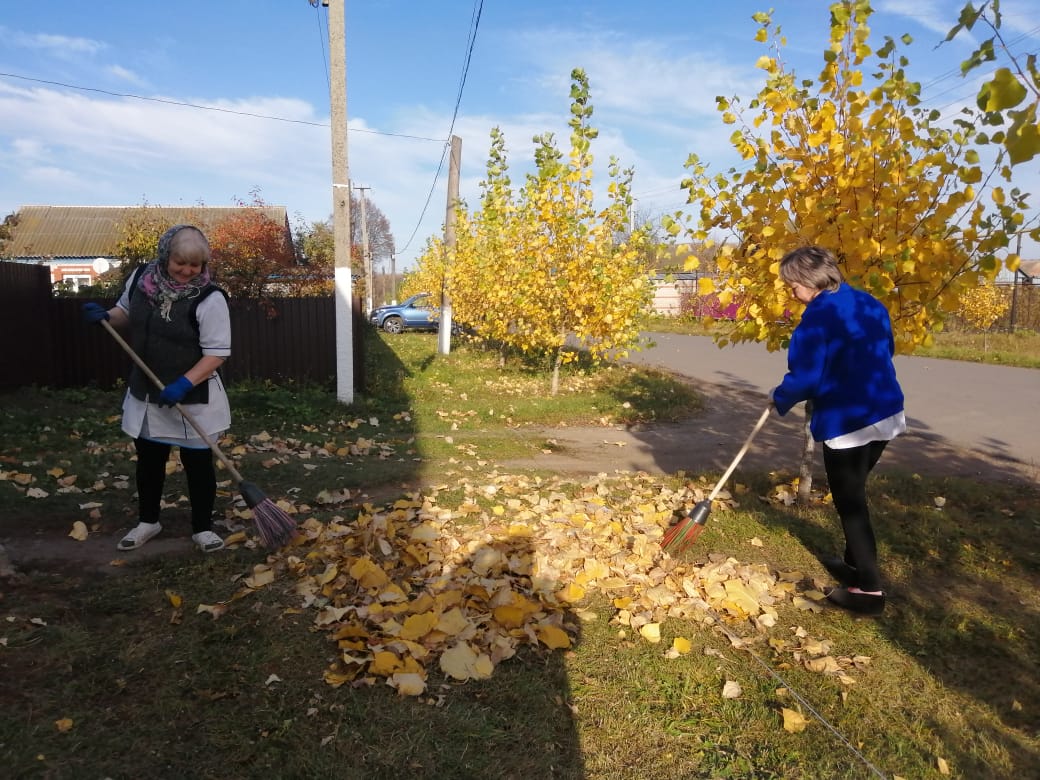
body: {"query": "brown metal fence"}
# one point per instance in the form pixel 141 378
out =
pixel 46 343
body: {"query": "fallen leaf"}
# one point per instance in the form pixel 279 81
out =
pixel 681 645
pixel 407 683
pixel 944 768
pixel 216 610
pixel 651 632
pixel 175 600
pixel 793 721
pixel 79 531
pixel 63 725
pixel 731 690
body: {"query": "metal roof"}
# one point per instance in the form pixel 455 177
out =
pixel 93 231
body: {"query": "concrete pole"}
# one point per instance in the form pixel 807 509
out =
pixel 454 164
pixel 341 203
pixel 365 254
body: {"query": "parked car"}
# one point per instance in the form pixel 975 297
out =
pixel 415 313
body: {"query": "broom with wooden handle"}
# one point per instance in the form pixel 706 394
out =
pixel 685 532
pixel 274 526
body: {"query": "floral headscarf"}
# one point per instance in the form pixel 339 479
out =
pixel 157 284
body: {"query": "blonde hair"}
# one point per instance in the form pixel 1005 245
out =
pixel 811 266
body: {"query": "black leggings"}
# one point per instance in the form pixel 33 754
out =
pixel 847 472
pixel 151 476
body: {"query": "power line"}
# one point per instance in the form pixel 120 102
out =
pixel 185 104
pixel 321 40
pixel 474 24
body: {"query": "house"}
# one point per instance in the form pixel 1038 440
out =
pixel 671 288
pixel 80 243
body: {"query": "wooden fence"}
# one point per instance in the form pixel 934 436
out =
pixel 46 342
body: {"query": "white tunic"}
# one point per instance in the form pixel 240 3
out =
pixel 164 423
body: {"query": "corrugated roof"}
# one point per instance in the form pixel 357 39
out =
pixel 93 231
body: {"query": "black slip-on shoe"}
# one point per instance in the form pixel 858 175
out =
pixel 841 571
pixel 860 603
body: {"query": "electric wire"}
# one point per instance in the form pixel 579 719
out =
pixel 737 642
pixel 186 104
pixel 321 40
pixel 474 25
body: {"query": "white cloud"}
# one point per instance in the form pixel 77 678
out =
pixel 124 74
pixel 55 45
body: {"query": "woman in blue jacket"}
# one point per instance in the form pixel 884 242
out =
pixel 840 358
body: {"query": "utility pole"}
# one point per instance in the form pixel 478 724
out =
pixel 366 256
pixel 341 202
pixel 1014 285
pixel 393 273
pixel 454 163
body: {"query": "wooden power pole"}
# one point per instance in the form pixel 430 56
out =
pixel 341 202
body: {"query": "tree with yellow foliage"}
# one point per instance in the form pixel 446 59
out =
pixel 544 270
pixel 1010 94
pixel 982 306
pixel 852 163
pixel 896 192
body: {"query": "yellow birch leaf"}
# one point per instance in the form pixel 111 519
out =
pixel 651 632
pixel 65 724
pixel 793 721
pixel 453 622
pixel 407 683
pixel 79 531
pixel 553 637
pixel 458 661
pixel 509 616
pixel 368 574
pixel 681 645
pixel 175 600
pixel 418 626
pixel 944 768
pixel 384 663
pixel 262 575
pixel 571 593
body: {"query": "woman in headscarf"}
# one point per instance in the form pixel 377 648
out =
pixel 182 332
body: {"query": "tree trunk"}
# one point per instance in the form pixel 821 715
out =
pixel 806 467
pixel 556 372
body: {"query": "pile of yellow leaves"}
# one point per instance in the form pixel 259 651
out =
pixel 417 583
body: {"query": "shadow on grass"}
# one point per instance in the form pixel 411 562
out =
pixel 104 676
pixel 962 583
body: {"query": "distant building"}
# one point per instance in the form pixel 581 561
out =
pixel 79 243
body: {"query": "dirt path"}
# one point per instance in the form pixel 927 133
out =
pixel 709 442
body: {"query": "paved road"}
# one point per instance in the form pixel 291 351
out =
pixel 993 411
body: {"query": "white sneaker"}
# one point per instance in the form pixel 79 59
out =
pixel 138 535
pixel 207 541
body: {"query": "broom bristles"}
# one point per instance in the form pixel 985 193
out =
pixel 681 535
pixel 275 527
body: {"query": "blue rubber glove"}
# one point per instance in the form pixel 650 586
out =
pixel 93 313
pixel 174 392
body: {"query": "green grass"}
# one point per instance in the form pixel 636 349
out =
pixel 156 691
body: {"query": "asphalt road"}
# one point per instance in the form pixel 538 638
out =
pixel 993 411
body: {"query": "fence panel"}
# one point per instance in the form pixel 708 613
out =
pixel 25 294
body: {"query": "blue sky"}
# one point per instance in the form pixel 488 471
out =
pixel 654 68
